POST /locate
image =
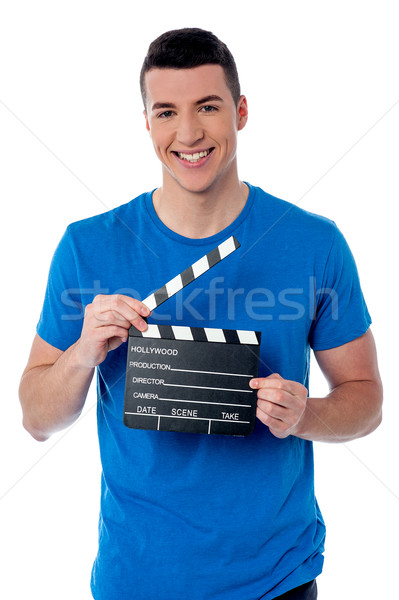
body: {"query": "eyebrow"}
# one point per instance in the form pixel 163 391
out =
pixel 211 98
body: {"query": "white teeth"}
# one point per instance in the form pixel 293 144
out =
pixel 193 157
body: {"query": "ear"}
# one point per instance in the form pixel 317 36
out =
pixel 147 124
pixel 242 113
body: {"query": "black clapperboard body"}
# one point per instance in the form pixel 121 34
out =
pixel 191 379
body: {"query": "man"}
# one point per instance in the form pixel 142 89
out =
pixel 190 515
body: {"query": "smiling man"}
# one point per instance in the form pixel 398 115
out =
pixel 187 515
pixel 195 137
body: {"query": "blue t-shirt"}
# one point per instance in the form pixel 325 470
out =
pixel 208 517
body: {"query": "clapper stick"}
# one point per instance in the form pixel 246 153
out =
pixel 189 275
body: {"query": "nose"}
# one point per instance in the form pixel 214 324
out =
pixel 189 130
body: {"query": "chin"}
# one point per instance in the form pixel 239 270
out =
pixel 197 185
pixel 199 189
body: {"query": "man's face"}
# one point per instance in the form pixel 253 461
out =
pixel 193 123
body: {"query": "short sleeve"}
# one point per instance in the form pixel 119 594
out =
pixel 61 319
pixel 341 314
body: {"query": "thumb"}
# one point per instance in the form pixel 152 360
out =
pixel 275 376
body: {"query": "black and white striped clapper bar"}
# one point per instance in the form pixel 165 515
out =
pixel 198 268
pixel 191 379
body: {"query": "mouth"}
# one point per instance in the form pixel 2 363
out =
pixel 195 157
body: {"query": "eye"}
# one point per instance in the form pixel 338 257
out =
pixel 207 108
pixel 166 114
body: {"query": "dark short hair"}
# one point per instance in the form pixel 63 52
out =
pixel 188 48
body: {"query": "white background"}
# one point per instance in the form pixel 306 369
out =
pixel 321 80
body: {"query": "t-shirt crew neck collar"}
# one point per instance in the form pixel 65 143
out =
pixel 200 241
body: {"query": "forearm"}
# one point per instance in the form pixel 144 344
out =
pixel 350 411
pixel 52 396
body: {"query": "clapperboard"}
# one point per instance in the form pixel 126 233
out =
pixel 191 379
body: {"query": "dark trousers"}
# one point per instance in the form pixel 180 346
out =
pixel 303 592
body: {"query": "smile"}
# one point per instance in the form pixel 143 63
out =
pixel 195 157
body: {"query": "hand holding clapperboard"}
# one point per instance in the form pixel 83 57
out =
pixel 191 379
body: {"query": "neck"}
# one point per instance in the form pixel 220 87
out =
pixel 199 214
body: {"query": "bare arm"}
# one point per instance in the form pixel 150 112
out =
pixel 53 389
pixel 352 409
pixel 54 385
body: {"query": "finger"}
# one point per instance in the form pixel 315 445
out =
pixel 276 396
pixel 295 403
pixel 104 333
pixel 269 421
pixel 274 381
pixel 277 427
pixel 286 416
pixel 110 317
pixel 124 310
pixel 119 302
pixel 273 410
pixel 269 381
pixel 137 306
